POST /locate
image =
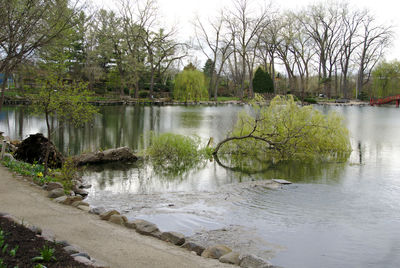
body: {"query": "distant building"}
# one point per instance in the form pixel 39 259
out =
pixel 10 80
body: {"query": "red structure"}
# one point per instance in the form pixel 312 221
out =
pixel 396 98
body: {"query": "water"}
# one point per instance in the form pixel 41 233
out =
pixel 334 215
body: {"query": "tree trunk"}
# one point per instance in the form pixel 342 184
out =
pixel 3 89
pixel 46 158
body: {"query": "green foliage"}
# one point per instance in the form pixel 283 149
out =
pixel 190 85
pixel 66 174
pixel 68 101
pixel 386 79
pixel 143 94
pixel 13 252
pixel 36 171
pixel 208 69
pixel 285 131
pixel 310 100
pixel 175 153
pixel 262 82
pixel 32 170
pixel 46 255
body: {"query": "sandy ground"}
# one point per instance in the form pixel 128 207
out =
pixel 115 245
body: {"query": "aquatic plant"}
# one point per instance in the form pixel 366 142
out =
pixel 174 152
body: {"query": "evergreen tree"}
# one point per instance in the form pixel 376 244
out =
pixel 262 82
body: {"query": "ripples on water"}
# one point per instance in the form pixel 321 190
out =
pixel 334 215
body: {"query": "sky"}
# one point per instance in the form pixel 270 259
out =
pixel 182 12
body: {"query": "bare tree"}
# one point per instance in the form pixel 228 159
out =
pixel 245 28
pixel 375 38
pixel 215 44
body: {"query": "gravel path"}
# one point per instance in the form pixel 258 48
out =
pixel 115 245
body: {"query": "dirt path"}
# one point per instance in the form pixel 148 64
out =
pixel 115 245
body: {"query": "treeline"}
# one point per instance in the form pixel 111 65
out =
pixel 328 48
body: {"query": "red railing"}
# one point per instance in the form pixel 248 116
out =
pixel 396 98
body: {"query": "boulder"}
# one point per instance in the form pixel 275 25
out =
pixel 118 219
pixel 81 254
pixel 111 155
pixel 53 185
pixel 68 200
pixel 83 260
pixel 173 237
pixel 105 216
pixel 79 203
pixel 56 193
pixel 252 261
pixel 194 247
pixel 231 258
pixel 33 149
pixel 215 252
pixel 71 250
pixel 84 208
pixel 146 228
pixel 97 211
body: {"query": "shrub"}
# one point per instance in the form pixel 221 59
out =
pixel 310 100
pixel 143 94
pixel 174 152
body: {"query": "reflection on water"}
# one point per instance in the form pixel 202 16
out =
pixel 334 215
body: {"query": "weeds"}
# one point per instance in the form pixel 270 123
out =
pixel 46 255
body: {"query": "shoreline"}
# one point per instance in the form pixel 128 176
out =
pixel 162 102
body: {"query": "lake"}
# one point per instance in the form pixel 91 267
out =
pixel 333 215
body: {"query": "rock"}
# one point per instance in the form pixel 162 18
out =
pixel 110 155
pixel 146 228
pixel 252 261
pixel 84 208
pixel 35 229
pixel 215 252
pixel 61 199
pixel 173 237
pixel 79 203
pixel 194 247
pixel 85 186
pixel 71 250
pixel 231 258
pixel 99 264
pixel 48 235
pixel 81 254
pixel 53 185
pixel 118 219
pixel 106 215
pixel 11 218
pixel 130 224
pixel 63 243
pixel 81 192
pixel 56 193
pixel 33 149
pixel 281 181
pixel 97 211
pixel 7 155
pixel 83 260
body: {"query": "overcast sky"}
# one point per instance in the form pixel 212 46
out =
pixel 182 12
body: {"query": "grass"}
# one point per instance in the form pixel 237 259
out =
pixel 228 99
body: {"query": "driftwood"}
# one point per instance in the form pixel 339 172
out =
pixel 122 154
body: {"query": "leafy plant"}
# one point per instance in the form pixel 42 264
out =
pixel 46 255
pixel 2 265
pixel 175 153
pixel 13 252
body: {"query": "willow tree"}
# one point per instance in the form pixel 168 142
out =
pixel 285 131
pixel 190 85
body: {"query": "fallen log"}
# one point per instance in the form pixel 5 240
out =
pixel 122 154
